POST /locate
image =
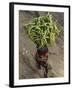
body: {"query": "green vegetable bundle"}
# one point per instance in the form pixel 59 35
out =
pixel 43 31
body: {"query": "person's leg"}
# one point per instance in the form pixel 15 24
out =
pixel 45 65
pixel 46 71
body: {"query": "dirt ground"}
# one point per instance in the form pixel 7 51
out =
pixel 27 49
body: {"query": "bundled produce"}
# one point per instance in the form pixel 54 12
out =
pixel 43 31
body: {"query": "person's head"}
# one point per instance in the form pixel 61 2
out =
pixel 43 52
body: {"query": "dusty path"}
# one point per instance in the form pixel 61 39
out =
pixel 27 50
